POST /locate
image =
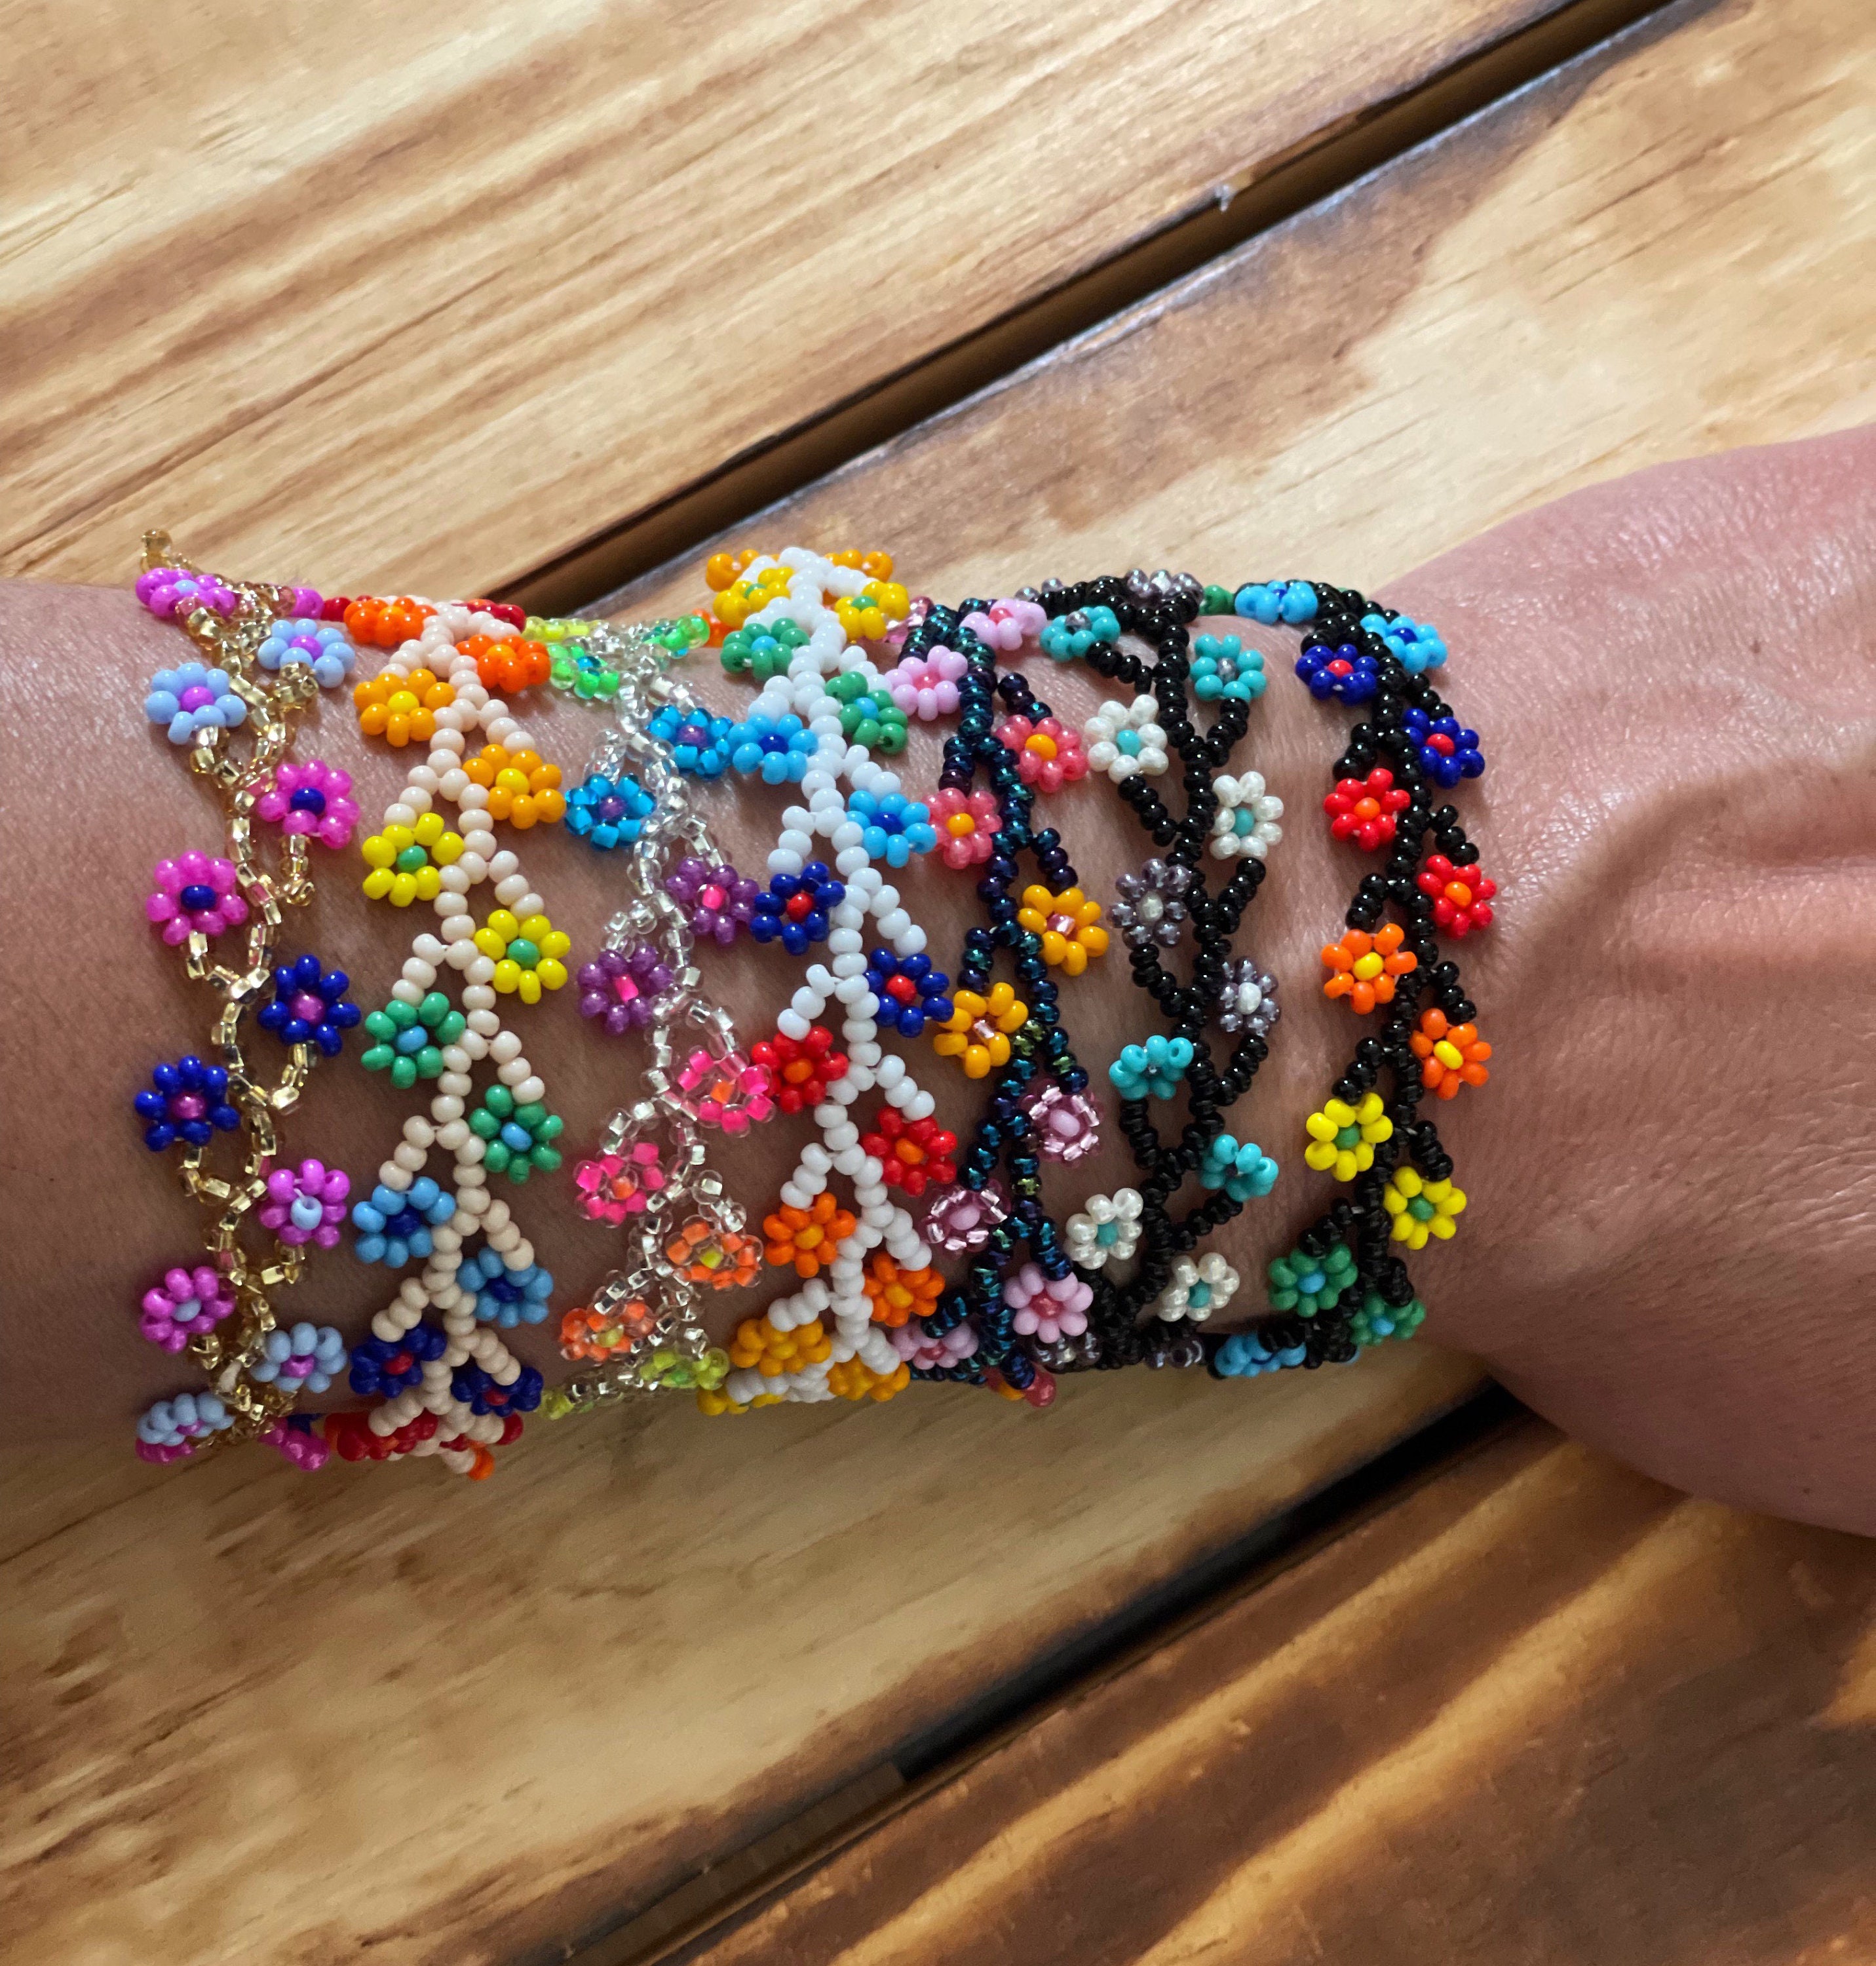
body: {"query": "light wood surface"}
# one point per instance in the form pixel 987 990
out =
pixel 1542 1709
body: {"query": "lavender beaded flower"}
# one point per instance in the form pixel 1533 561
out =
pixel 622 989
pixel 959 1220
pixel 309 1006
pixel 305 1358
pixel 186 1303
pixel 1067 1125
pixel 1151 908
pixel 306 1205
pixel 191 698
pixel 194 895
pixel 172 593
pixel 1249 1000
pixel 721 901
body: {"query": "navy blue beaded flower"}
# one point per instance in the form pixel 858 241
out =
pixel 1344 673
pixel 383 1368
pixel 189 1103
pixel 795 907
pixel 309 1006
pixel 780 749
pixel 481 1393
pixel 700 743
pixel 912 994
pixel 607 812
pixel 1448 752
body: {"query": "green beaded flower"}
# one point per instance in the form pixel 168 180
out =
pixel 679 637
pixel 573 666
pixel 1378 1320
pixel 411 1038
pixel 1306 1284
pixel 868 716
pixel 520 1138
pixel 762 652
pixel 670 1370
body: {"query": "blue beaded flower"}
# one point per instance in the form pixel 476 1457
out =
pixel 309 1006
pixel 895 827
pixel 795 907
pixel 305 1358
pixel 606 812
pixel 1291 601
pixel 190 1103
pixel 1243 1355
pixel 192 698
pixel 912 994
pixel 1417 643
pixel 394 1226
pixel 1151 1071
pixel 505 1296
pixel 1073 635
pixel 780 748
pixel 481 1393
pixel 1448 752
pixel 1221 666
pixel 700 743
pixel 323 645
pixel 1344 673
pixel 1243 1170
pixel 383 1368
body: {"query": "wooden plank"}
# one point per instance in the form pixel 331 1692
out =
pixel 434 305
pixel 1541 1709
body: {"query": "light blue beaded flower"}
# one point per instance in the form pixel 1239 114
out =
pixel 1243 1170
pixel 1069 636
pixel 324 645
pixel 700 743
pixel 779 749
pixel 1243 1355
pixel 394 1227
pixel 1417 643
pixel 191 698
pixel 505 1296
pixel 607 812
pixel 896 827
pixel 1151 1071
pixel 170 1429
pixel 1291 601
pixel 1222 666
pixel 307 1357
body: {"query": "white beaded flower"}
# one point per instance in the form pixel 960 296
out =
pixel 1246 826
pixel 1123 738
pixel 1198 1289
pixel 1106 1230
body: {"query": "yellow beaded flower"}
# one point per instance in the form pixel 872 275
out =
pixel 1069 924
pixel 400 708
pixel 1342 1138
pixel 405 861
pixel 526 954
pixel 977 1031
pixel 867 615
pixel 1421 1208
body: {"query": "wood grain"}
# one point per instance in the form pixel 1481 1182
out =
pixel 1543 1710
pixel 435 304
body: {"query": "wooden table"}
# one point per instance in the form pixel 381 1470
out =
pixel 1349 1667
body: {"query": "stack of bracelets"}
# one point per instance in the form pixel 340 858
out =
pixel 845 661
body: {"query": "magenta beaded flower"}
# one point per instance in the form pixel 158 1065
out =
pixel 721 901
pixel 959 1220
pixel 295 1437
pixel 613 1186
pixel 1046 1307
pixel 926 686
pixel 170 593
pixel 621 989
pixel 1067 1124
pixel 195 893
pixel 185 1303
pixel 315 798
pixel 306 1205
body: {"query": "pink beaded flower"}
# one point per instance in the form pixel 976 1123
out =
pixel 965 821
pixel 185 1303
pixel 195 893
pixel 170 593
pixel 959 1220
pixel 613 1186
pixel 306 1205
pixel 1067 1124
pixel 1049 754
pixel 313 798
pixel 296 1439
pixel 916 1347
pixel 1047 1308
pixel 916 609
pixel 729 1092
pixel 1008 624
pixel 926 686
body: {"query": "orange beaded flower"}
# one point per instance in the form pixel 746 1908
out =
pixel 399 707
pixel 806 1237
pixel 1363 967
pixel 897 1294
pixel 594 1334
pixel 704 1252
pixel 854 1381
pixel 1069 924
pixel 506 667
pixel 1451 1055
pixel 521 788
pixel 386 624
pixel 757 1342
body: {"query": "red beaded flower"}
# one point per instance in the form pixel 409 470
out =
pixel 1363 810
pixel 912 1152
pixel 800 1069
pixel 1461 895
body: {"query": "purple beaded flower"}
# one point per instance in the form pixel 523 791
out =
pixel 1249 1000
pixel 1152 908
pixel 185 1303
pixel 721 901
pixel 309 1006
pixel 306 1205
pixel 195 893
pixel 1067 1124
pixel 959 1219
pixel 189 1103
pixel 312 799
pixel 623 989
pixel 171 594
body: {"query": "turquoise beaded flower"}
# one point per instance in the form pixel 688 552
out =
pixel 1306 1283
pixel 1153 1070
pixel 1416 643
pixel 1223 667
pixel 1241 1170
pixel 408 1039
pixel 700 743
pixel 1244 1355
pixel 1270 601
pixel 1073 635
pixel 520 1138
pixel 1378 1320
pixel 895 827
pixel 607 812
